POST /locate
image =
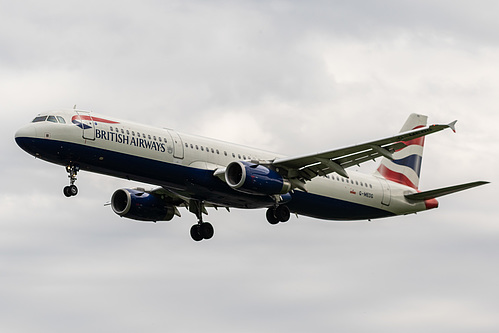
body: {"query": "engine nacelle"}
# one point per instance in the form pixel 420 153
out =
pixel 255 179
pixel 141 205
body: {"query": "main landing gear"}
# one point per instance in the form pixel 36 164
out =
pixel 278 214
pixel 71 190
pixel 201 230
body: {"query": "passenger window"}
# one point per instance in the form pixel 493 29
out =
pixel 133 133
pixel 117 130
pixel 110 128
pixel 52 119
pixel 218 152
pixel 127 132
pixel 186 145
pixel 202 148
pixel 61 120
pixel 167 141
pixel 244 157
pixel 197 148
pixel 154 138
pixel 149 137
pixel 225 153
pixel 233 155
pixel 39 119
pixel 192 147
pixel 144 135
pixel 370 186
pixel 122 131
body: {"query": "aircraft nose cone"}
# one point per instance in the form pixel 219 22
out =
pixel 27 131
pixel 24 135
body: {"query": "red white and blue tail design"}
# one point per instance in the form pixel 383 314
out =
pixel 405 167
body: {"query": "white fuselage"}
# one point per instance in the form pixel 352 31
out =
pixel 185 164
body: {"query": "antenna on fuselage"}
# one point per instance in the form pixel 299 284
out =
pixel 74 107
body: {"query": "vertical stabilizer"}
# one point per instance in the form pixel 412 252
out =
pixel 406 165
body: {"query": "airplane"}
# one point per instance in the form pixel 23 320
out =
pixel 198 173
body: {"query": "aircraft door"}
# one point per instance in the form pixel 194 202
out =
pixel 178 147
pixel 87 124
pixel 387 195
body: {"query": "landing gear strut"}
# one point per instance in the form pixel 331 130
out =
pixel 201 230
pixel 71 190
pixel 278 214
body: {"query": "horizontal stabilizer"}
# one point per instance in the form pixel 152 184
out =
pixel 426 195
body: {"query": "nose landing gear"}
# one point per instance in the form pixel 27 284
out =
pixel 71 190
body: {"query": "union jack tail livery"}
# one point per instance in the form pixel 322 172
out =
pixel 405 167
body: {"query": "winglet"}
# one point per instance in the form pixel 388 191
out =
pixel 453 126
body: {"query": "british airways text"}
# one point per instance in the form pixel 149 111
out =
pixel 127 140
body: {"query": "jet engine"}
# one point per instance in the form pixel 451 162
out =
pixel 255 179
pixel 141 205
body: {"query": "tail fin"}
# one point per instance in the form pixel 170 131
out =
pixel 405 167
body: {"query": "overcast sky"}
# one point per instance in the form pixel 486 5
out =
pixel 287 76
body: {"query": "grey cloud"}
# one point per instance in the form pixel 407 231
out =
pixel 285 76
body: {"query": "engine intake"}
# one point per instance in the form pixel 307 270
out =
pixel 141 205
pixel 255 179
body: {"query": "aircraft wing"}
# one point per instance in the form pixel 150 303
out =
pixel 309 166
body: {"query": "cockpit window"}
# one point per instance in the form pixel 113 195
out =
pixel 39 119
pixel 53 119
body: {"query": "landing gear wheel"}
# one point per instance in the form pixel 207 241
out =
pixel 202 231
pixel 73 190
pixel 282 213
pixel 66 191
pixel 195 233
pixel 278 214
pixel 271 216
pixel 70 191
pixel 206 230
